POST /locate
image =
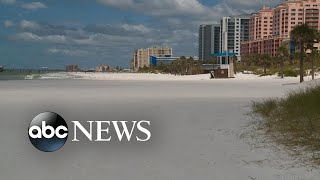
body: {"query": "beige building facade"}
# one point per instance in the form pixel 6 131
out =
pixel 72 68
pixel 103 68
pixel 141 57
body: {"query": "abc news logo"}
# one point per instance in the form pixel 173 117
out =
pixel 48 131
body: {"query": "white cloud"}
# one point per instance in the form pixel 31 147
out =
pixel 101 41
pixel 29 25
pixel 250 4
pixel 190 12
pixel 68 52
pixel 33 5
pixel 7 1
pixel 28 36
pixel 159 8
pixel 8 24
pixel 140 28
pixel 171 23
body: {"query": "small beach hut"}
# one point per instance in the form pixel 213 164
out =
pixel 225 65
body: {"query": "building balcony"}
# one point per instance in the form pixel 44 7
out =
pixel 268 38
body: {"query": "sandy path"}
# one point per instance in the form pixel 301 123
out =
pixel 195 134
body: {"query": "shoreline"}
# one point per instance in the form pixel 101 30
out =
pixel 159 77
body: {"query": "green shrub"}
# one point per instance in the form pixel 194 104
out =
pixel 291 73
pixel 293 121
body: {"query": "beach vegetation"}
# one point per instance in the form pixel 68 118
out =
pixel 304 37
pixel 293 121
pixel 182 66
pixel 283 64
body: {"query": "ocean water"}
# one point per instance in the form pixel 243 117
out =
pixel 17 75
pixel 11 77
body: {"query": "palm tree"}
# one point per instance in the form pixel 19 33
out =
pixel 303 36
pixel 264 61
pixel 282 53
pixel 313 56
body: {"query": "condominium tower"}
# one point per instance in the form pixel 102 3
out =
pixel 209 40
pixel 141 57
pixel 234 30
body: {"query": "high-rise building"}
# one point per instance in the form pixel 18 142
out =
pixel 234 30
pixel 72 68
pixel 285 17
pixel 209 40
pixel 141 57
pixel 261 24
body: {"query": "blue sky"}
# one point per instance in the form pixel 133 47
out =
pixel 54 33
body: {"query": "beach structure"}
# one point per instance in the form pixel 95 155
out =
pixel 103 68
pixel 225 65
pixel 141 57
pixel 270 27
pixel 72 68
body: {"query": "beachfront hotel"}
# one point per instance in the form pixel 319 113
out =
pixel 223 37
pixel 271 27
pixel 141 57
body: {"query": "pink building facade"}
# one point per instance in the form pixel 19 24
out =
pixel 270 27
pixel 261 24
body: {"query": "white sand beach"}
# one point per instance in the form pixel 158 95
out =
pixel 197 127
pixel 157 77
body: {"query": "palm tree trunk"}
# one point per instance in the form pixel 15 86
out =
pixel 312 68
pixel 301 63
pixel 281 68
pixel 264 67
